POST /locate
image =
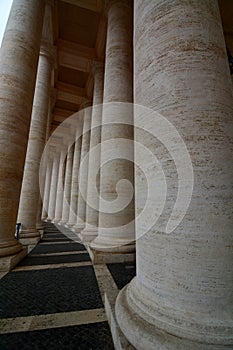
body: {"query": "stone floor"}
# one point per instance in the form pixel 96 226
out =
pixel 54 298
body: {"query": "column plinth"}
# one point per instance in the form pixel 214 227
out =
pixel 181 297
pixel 18 65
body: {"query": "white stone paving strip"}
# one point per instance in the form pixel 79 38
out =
pixel 48 321
pixel 62 242
pixel 59 253
pixel 52 266
pixel 109 291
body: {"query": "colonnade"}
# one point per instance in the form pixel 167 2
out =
pixel 181 297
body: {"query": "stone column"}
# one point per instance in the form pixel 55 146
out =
pixel 53 186
pixel 18 64
pixel 28 206
pixel 67 185
pixel 75 175
pixel 83 170
pixel 39 223
pixel 47 190
pixel 60 186
pixel 181 297
pixel 115 232
pixel 91 229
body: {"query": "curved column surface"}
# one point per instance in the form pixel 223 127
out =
pixel 91 229
pixel 40 214
pixel 53 186
pixel 181 297
pixel 67 185
pixel 75 175
pixel 47 187
pixel 18 65
pixel 116 228
pixel 60 186
pixel 28 205
pixel 83 170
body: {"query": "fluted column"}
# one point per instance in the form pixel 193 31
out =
pixel 181 297
pixel 60 185
pixel 18 64
pixel 67 185
pixel 53 184
pixel 75 175
pixel 83 170
pixel 47 187
pixel 116 229
pixel 28 206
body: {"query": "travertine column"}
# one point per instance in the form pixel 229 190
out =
pixel 83 170
pixel 18 64
pixel 117 88
pixel 39 224
pixel 47 190
pixel 182 295
pixel 67 185
pixel 60 186
pixel 75 176
pixel 30 191
pixel 91 228
pixel 53 185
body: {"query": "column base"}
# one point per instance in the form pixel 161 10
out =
pixel 88 234
pixel 7 263
pixel 40 229
pixel 100 256
pixel 144 335
pixel 78 228
pixel 29 237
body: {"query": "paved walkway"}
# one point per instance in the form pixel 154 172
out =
pixel 52 299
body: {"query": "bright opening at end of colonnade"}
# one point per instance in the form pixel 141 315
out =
pixel 162 163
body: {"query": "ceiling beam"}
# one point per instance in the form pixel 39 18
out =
pixel 75 56
pixel 93 5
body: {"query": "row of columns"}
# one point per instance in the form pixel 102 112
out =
pixel 181 297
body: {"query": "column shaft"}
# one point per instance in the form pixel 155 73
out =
pixel 60 186
pixel 75 176
pixel 181 297
pixel 18 64
pixel 91 229
pixel 47 190
pixel 83 170
pixel 67 185
pixel 53 186
pixel 116 229
pixel 28 206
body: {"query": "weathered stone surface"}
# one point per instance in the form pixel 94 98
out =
pixel 118 87
pixel 28 205
pixel 182 295
pixel 91 229
pixel 83 170
pixel 18 64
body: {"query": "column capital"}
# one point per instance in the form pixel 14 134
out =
pixel 49 2
pixel 49 51
pixel 97 67
pixel 85 103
